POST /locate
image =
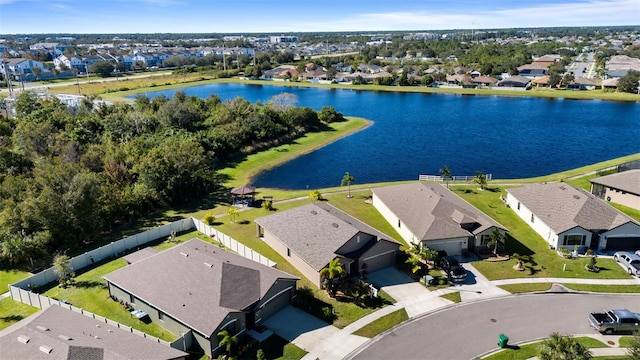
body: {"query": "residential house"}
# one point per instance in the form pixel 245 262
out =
pixel 610 83
pixel 310 236
pixel 514 81
pixel 581 84
pixel 533 71
pixel 434 217
pixel 547 60
pixel 542 81
pixel 199 289
pixel 19 68
pixel 484 81
pixel 282 71
pixel 60 333
pixel 565 217
pixel 621 188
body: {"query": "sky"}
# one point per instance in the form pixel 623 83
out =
pixel 283 16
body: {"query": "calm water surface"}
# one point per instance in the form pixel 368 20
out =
pixel 417 134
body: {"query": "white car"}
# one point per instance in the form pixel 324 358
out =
pixel 630 261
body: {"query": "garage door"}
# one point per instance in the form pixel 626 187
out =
pixel 380 261
pixel 623 243
pixel 453 247
pixel 274 305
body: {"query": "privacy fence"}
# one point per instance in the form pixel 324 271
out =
pixel 22 290
pixel 452 178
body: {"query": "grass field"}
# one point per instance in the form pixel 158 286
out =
pixel 382 324
pixel 12 311
pixel 10 276
pixel 531 350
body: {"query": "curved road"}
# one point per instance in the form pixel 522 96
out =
pixel 467 330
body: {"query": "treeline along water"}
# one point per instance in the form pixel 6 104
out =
pixel 412 134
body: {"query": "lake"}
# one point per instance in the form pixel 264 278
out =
pixel 412 134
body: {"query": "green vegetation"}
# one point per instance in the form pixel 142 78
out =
pixel 12 311
pixel 382 324
pixel 526 287
pixel 629 289
pixel 10 276
pixel 452 296
pixel 530 350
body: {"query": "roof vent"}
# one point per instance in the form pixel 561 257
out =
pixel 65 337
pixel 42 328
pixel 562 187
pixel 209 265
pixel 313 212
pixel 334 225
pixel 576 197
pixel 23 339
pixel 46 349
pixel 184 254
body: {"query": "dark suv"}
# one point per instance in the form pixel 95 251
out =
pixel 452 267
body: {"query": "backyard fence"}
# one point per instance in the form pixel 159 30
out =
pixel 452 178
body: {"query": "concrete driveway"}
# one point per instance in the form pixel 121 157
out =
pixel 300 328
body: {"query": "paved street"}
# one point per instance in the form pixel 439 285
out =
pixel 464 331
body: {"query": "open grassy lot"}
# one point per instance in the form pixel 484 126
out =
pixel 382 324
pixel 530 350
pixel 89 292
pixel 523 240
pixel 13 311
pixel 10 276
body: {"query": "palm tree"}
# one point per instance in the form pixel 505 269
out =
pixel 227 341
pixel 559 346
pixel 331 273
pixel 634 347
pixel 431 256
pixel 347 180
pixel 480 179
pixel 62 267
pixel 360 290
pixel 233 214
pixel 495 237
pixel 445 172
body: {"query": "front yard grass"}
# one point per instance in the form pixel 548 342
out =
pixel 382 324
pixel 10 276
pixel 604 288
pixel 89 292
pixel 452 296
pixel 531 350
pixel 525 287
pixel 12 311
pixel 522 240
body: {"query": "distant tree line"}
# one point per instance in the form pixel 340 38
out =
pixel 66 176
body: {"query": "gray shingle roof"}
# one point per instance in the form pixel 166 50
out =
pixel 563 207
pixel 71 335
pixel 432 212
pixel 197 283
pixel 628 181
pixel 316 231
pixel 140 255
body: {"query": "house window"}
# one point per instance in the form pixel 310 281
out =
pixel 518 205
pixel 485 239
pixel 288 252
pixel 160 316
pixel 574 239
pixel 531 217
pixel 399 223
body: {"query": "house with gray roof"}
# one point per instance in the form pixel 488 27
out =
pixel 198 289
pixel 621 188
pixel 310 236
pixel 434 217
pixel 57 333
pixel 565 217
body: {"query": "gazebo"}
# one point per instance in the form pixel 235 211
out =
pixel 243 195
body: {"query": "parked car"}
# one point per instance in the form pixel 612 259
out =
pixel 630 261
pixel 615 320
pixel 452 267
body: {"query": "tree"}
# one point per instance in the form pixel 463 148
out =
pixel 315 195
pixel 445 172
pixel 328 114
pixel 233 214
pixel 564 347
pixel 37 72
pixel 629 83
pixel 209 218
pixel 496 237
pixel 227 341
pixel 331 274
pixel 283 101
pixel 431 256
pixel 102 68
pixel 62 267
pixel 347 179
pixel 634 347
pixel 480 179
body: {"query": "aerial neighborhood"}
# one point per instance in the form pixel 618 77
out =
pixel 131 226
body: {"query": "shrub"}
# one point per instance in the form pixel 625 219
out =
pixel 260 355
pixel 209 219
pixel 267 205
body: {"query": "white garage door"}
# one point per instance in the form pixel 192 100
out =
pixel 452 247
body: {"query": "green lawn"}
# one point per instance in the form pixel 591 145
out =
pixel 452 296
pixel 526 287
pixel 89 292
pixel 604 288
pixel 530 350
pixel 13 311
pixel 11 276
pixel 524 241
pixel 382 324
